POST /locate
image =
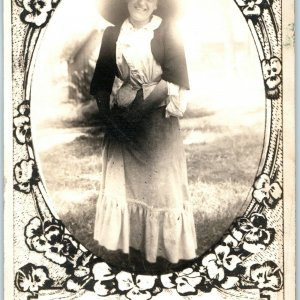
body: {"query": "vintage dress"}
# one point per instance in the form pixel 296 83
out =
pixel 144 201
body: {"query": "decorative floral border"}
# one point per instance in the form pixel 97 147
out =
pixel 239 261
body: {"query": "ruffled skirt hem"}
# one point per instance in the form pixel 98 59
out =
pixel 169 233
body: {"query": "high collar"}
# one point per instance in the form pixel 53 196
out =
pixel 150 26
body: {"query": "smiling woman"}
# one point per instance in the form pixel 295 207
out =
pixel 142 99
pixel 141 11
pixel 151 212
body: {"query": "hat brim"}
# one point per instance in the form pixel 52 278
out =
pixel 115 11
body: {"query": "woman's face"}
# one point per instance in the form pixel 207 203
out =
pixel 141 10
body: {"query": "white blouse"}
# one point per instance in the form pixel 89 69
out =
pixel 139 69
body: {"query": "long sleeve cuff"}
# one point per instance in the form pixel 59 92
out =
pixel 176 101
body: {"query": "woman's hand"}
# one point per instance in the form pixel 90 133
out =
pixel 102 99
pixel 134 112
pixel 110 117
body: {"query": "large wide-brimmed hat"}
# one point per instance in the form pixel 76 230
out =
pixel 115 11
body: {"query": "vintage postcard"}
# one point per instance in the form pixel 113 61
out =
pixel 149 149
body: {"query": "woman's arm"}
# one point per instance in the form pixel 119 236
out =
pixel 106 68
pixel 156 97
pixel 103 99
pixel 111 119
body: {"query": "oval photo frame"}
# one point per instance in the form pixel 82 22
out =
pixel 225 266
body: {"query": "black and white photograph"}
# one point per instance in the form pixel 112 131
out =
pixel 148 149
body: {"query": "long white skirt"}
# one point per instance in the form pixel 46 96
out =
pixel 144 201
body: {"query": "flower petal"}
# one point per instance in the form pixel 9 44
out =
pixel 100 289
pixel 37 20
pixel 221 274
pixel 230 241
pixel 40 276
pixel 21 120
pixel 258 220
pixel 230 282
pixel 273 82
pixel 166 281
pixel 186 271
pixel 215 272
pixel 222 252
pixel 276 191
pixel 231 261
pixel 23 187
pixel 145 282
pixel 47 5
pixel 193 279
pixel 102 271
pixel 252 12
pixel 73 286
pixel 24 171
pixel 34 228
pixel 244 224
pixel 208 258
pixel 241 2
pixel 262 181
pixel 183 286
pixel 136 294
pixel 38 244
pixel 24 108
pixel 253 248
pixel 81 271
pixel 261 195
pixel 125 281
pixel 23 134
pixel 193 275
pixel 275 64
pixel 238 235
pixel 27 5
pixel 265 64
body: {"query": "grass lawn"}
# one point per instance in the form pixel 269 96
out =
pixel 221 170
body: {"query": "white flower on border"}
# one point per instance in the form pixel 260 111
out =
pixel 217 263
pixel 184 281
pixel 73 285
pixel 271 71
pixel 267 276
pixel 22 129
pixel 252 233
pixel 37 11
pixel 35 239
pixel 81 271
pixel 59 251
pixel 187 280
pixel 231 241
pixel 230 282
pixel 26 175
pixel 138 289
pixel 32 278
pixel 24 171
pixel 102 274
pixel 250 8
pixel 272 76
pixel 267 192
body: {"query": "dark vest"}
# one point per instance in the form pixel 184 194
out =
pixel 166 47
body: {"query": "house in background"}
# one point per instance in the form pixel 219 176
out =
pixel 81 66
